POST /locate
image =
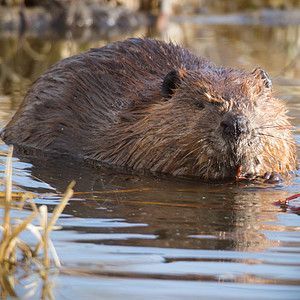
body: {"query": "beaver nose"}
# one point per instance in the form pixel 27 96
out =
pixel 234 125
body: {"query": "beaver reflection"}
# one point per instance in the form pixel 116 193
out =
pixel 151 105
pixel 175 213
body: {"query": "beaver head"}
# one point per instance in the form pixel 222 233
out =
pixel 209 124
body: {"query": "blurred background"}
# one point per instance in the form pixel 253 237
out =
pixel 34 34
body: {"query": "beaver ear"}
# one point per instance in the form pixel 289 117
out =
pixel 171 80
pixel 262 74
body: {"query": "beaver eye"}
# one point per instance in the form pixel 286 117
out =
pixel 199 105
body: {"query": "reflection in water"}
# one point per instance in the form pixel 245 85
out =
pixel 29 284
pixel 172 231
pixel 129 210
pixel 143 228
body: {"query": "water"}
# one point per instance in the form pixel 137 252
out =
pixel 128 236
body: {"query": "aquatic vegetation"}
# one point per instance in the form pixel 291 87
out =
pixel 17 255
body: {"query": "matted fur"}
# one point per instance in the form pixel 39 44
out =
pixel 107 105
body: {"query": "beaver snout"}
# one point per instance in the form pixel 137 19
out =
pixel 235 125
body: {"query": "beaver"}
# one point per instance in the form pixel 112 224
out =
pixel 152 105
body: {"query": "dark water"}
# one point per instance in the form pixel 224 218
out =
pixel 129 236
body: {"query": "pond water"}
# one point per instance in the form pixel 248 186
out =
pixel 129 236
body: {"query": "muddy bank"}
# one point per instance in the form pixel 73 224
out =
pixel 91 20
pixel 77 18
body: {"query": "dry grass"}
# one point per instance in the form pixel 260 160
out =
pixel 14 252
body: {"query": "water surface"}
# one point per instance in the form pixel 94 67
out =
pixel 128 236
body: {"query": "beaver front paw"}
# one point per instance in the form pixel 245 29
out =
pixel 272 177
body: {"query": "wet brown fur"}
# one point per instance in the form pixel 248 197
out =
pixel 107 105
